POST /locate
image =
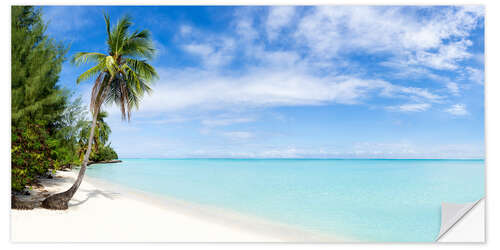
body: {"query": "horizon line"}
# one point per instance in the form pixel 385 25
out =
pixel 299 158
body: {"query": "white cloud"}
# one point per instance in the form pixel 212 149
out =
pixel 286 152
pixel 458 110
pixel 383 149
pixel 225 121
pixel 160 48
pixel 200 49
pixel 438 41
pixel 454 151
pixel 446 57
pixel 203 90
pixel 279 17
pixel 238 135
pixel 185 30
pixel 244 27
pixel 405 72
pixel 284 59
pixel 419 92
pixel 167 120
pixel 453 88
pixel 402 149
pixel 64 19
pixel 475 75
pixel 213 53
pixel 413 107
pixel 407 149
pixel 286 77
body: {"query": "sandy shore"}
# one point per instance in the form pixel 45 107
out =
pixel 106 213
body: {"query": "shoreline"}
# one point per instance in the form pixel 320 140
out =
pixel 218 215
pixel 109 212
pixel 103 162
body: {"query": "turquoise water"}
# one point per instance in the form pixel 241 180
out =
pixel 368 200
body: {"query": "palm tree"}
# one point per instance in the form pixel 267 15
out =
pixel 102 131
pixel 101 135
pixel 121 77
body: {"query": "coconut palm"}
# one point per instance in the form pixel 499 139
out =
pixel 121 77
pixel 102 131
pixel 101 135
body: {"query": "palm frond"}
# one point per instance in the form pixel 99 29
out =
pixel 96 89
pixel 143 69
pixel 102 115
pixel 91 73
pixel 143 34
pixel 108 30
pixel 139 44
pixel 138 48
pixel 124 75
pixel 120 32
pixel 84 57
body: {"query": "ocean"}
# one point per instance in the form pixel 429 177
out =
pixel 372 200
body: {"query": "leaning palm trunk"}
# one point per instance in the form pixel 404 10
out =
pixel 123 76
pixel 61 200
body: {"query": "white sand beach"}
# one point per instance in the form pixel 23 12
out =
pixel 106 213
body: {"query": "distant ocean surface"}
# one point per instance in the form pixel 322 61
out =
pixel 368 200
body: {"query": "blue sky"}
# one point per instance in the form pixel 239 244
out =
pixel 325 82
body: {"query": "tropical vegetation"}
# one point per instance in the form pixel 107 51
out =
pixel 47 123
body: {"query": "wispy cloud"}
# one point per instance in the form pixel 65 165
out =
pixel 475 75
pixel 458 110
pixel 238 135
pixel 278 18
pixel 226 121
pixel 378 149
pixel 166 120
pixel 185 30
pixel 267 88
pixel 413 107
pixel 215 53
pixel 439 41
pixel 285 77
pixel 66 20
pixel 453 88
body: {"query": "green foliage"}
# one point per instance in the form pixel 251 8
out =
pixel 105 153
pixel 37 102
pixel 33 153
pixel 48 130
pixel 36 64
pixel 46 124
pixel 71 123
pixel 101 136
pixel 122 75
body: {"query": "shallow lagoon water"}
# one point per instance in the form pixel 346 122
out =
pixel 367 200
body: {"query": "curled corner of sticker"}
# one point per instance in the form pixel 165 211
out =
pixel 452 213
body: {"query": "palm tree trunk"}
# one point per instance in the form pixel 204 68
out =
pixel 60 200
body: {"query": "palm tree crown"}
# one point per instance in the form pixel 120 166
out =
pixel 123 75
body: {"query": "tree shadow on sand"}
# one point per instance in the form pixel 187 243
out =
pixel 92 194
